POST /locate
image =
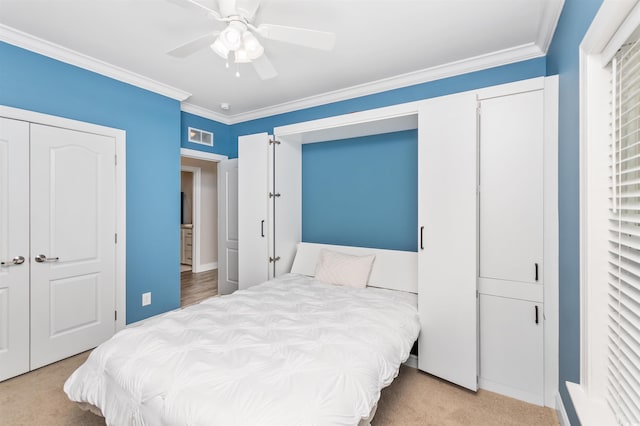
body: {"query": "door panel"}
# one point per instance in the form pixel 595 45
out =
pixel 227 226
pixel 511 201
pixel 14 241
pixel 253 209
pixel 73 227
pixel 74 303
pixel 447 259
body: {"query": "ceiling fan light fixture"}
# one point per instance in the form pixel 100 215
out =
pixel 219 47
pixel 232 35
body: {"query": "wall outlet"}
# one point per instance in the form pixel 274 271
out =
pixel 146 299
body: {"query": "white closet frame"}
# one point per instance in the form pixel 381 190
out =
pixel 121 190
pixel 406 117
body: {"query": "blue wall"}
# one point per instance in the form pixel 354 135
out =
pixel 152 122
pixel 563 59
pixel 370 183
pixel 329 216
pixel 222 143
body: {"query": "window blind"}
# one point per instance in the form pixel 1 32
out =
pixel 623 375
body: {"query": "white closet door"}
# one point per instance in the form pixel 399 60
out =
pixel 511 198
pixel 447 260
pixel 227 226
pixel 511 350
pixel 288 205
pixel 73 236
pixel 254 179
pixel 14 244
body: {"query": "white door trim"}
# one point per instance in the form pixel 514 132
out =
pixel 202 155
pixel 121 190
pixel 195 216
pixel 207 156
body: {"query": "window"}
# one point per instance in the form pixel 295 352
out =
pixel 200 136
pixel 623 303
pixel 609 390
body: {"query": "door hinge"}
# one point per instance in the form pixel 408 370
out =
pixel 271 194
pixel 116 238
pixel 115 315
pixel 274 259
pixel 273 141
pixel 115 160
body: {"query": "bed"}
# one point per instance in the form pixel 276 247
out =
pixel 295 350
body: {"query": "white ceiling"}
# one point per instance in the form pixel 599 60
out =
pixel 390 42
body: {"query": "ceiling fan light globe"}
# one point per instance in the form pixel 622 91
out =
pixel 219 47
pixel 252 45
pixel 241 56
pixel 255 54
pixel 232 35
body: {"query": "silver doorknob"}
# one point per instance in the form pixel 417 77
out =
pixel 15 261
pixel 42 258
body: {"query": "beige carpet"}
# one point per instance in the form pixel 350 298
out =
pixel 414 398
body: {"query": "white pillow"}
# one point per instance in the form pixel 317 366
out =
pixel 344 269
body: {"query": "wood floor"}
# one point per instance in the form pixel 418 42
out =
pixel 197 287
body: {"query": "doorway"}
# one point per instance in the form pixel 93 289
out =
pixel 198 227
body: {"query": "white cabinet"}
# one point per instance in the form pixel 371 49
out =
pixel 511 244
pixel 269 207
pixel 511 348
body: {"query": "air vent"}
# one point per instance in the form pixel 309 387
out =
pixel 200 136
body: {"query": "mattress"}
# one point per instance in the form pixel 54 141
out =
pixel 291 351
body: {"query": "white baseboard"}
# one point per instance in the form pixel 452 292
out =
pixel 561 412
pixel 412 361
pixel 530 397
pixel 207 267
pixel 142 321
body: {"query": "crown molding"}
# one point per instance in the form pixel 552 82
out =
pixel 477 63
pixel 35 44
pixel 204 112
pixel 548 24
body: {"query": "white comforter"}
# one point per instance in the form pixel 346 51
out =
pixel 292 351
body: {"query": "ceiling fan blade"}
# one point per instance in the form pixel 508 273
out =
pixel 301 36
pixel 247 8
pixel 193 46
pixel 197 5
pixel 264 68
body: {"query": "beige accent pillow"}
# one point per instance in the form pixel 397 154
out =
pixel 344 269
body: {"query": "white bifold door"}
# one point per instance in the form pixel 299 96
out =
pixel 255 173
pixel 269 206
pixel 57 243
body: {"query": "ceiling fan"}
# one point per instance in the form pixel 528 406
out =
pixel 239 39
